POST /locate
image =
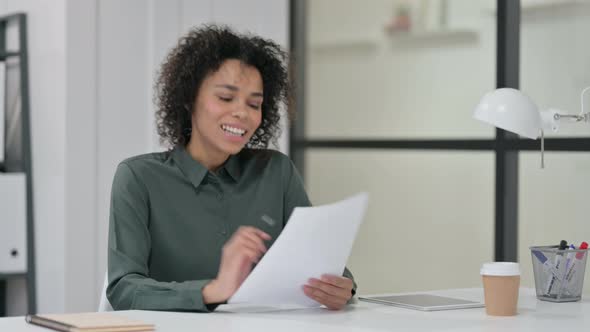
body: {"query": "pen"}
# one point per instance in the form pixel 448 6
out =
pixel 569 258
pixel 270 222
pixel 557 263
pixel 568 262
pixel 547 266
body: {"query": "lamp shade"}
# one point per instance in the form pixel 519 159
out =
pixel 511 110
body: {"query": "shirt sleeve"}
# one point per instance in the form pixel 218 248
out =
pixel 130 286
pixel 295 195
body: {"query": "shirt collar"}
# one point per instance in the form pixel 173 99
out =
pixel 233 168
pixel 196 172
pixel 191 168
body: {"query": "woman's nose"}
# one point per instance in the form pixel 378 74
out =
pixel 240 112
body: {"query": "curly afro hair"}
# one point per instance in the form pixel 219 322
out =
pixel 200 53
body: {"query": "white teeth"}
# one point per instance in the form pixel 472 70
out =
pixel 233 130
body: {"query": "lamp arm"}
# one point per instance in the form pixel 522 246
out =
pixel 576 118
pixel 550 121
pixel 585 115
pixel 558 115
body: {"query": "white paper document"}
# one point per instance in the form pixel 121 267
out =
pixel 316 240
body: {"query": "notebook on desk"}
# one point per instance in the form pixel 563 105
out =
pixel 89 322
pixel 424 302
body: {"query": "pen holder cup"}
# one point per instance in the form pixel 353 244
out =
pixel 559 274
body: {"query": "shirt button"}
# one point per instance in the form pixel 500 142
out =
pixel 220 196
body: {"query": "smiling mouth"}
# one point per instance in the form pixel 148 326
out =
pixel 233 130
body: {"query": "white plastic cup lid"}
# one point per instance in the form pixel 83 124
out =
pixel 500 269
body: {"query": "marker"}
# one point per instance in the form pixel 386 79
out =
pixel 583 246
pixel 547 266
pixel 571 273
pixel 568 262
pixel 557 263
pixel 570 256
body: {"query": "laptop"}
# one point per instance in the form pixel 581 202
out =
pixel 423 302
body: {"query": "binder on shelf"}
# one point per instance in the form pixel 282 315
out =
pixel 2 110
pixel 13 223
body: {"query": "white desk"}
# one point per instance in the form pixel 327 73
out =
pixel 533 315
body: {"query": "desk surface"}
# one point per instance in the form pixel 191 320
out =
pixel 533 315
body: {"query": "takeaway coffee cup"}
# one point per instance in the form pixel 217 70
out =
pixel 501 281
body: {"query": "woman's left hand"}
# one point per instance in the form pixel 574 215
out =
pixel 331 291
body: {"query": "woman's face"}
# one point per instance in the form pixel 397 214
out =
pixel 228 109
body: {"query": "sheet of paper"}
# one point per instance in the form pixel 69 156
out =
pixel 316 240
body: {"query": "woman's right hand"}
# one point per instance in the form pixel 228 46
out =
pixel 243 249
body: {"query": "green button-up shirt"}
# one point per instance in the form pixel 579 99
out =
pixel 170 218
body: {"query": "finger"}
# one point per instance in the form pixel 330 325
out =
pixel 334 306
pixel 245 246
pixel 338 281
pixel 242 237
pixel 330 302
pixel 255 238
pixel 251 255
pixel 249 234
pixel 239 244
pixel 244 242
pixel 256 231
pixel 239 249
pixel 325 298
pixel 330 289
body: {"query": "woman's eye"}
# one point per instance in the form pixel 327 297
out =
pixel 226 99
pixel 255 106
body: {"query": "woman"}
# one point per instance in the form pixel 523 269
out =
pixel 187 225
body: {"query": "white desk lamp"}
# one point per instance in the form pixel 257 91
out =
pixel 512 110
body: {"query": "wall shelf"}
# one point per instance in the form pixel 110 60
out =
pixel 16 162
pixel 8 54
pixel 352 44
pixel 550 5
pixel 409 39
pixel 7 276
pixel 439 37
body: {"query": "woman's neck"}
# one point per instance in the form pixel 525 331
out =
pixel 212 161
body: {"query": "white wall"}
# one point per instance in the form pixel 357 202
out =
pixel 92 67
pixel 123 98
pixel 81 156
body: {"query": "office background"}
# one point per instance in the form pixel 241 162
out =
pixel 431 218
pixel 390 113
